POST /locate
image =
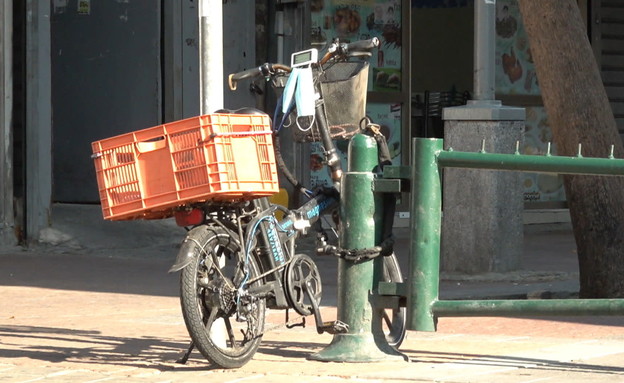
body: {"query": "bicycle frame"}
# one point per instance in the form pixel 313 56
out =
pixel 279 240
pixel 298 220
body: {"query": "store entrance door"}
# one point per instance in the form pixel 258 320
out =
pixel 106 79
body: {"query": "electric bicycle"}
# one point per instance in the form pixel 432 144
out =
pixel 239 259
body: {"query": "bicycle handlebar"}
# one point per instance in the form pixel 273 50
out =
pixel 363 45
pixel 234 77
pixel 338 51
pixel 356 48
pixel 265 69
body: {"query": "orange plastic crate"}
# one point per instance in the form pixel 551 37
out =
pixel 219 157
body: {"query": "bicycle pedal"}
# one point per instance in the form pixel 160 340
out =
pixel 333 328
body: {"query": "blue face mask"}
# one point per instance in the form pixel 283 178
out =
pixel 288 97
pixel 305 96
pixel 299 89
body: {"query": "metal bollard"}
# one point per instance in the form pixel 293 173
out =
pixel 360 213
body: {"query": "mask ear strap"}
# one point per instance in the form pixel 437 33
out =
pixel 287 117
pixel 309 126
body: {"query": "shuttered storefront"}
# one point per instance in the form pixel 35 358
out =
pixel 607 36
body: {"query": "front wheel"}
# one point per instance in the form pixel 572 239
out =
pixel 393 319
pixel 223 320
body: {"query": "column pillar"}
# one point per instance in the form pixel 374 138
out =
pixel 482 228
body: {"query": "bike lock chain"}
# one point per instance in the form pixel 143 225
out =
pixel 386 247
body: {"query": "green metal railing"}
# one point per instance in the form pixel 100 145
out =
pixel 423 304
pixel 359 285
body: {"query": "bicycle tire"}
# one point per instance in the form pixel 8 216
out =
pixel 394 328
pixel 207 290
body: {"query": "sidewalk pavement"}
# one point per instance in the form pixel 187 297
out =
pixel 94 303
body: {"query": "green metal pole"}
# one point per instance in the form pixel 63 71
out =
pixel 532 163
pixel 522 308
pixel 358 209
pixel 426 211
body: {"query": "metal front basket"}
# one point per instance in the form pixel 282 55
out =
pixel 343 86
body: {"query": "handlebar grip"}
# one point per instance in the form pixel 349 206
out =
pixel 363 45
pixel 234 77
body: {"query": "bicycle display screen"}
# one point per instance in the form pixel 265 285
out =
pixel 303 58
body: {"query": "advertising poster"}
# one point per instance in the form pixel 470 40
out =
pixel 353 20
pixel 515 76
pixel 515 71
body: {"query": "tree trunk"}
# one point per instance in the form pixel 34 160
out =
pixel 579 113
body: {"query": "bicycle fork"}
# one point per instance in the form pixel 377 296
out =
pixel 332 159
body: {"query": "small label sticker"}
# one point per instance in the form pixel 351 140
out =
pixel 84 7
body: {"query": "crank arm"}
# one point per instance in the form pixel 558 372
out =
pixel 332 327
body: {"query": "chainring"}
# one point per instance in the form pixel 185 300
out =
pixel 301 275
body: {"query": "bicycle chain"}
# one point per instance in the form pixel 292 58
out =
pixel 384 249
pixel 286 324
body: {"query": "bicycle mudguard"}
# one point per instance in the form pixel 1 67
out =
pixel 187 249
pixel 184 257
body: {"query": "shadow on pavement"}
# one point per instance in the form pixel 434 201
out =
pixel 56 345
pixel 295 350
pixel 509 361
pixel 86 273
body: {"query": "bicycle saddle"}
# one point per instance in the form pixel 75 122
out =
pixel 245 110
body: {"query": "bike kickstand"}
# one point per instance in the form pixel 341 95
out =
pixel 331 327
pixel 187 354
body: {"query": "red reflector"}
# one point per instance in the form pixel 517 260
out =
pixel 189 218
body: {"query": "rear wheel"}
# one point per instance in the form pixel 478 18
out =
pixel 394 319
pixel 224 322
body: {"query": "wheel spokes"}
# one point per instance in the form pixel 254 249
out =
pixel 230 332
pixel 387 319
